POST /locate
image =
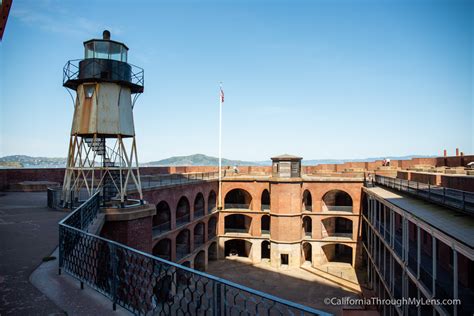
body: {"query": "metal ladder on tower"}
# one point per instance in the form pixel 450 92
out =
pixel 110 181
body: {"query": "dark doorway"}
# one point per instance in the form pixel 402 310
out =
pixel 265 249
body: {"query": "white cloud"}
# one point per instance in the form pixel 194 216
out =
pixel 51 18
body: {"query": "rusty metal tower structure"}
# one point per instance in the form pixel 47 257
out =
pixel 102 152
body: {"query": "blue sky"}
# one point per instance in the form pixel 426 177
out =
pixel 320 79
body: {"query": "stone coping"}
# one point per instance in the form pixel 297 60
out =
pixel 129 213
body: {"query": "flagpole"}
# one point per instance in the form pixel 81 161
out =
pixel 220 148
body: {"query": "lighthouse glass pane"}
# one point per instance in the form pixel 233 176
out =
pixel 102 50
pixel 115 51
pixel 89 50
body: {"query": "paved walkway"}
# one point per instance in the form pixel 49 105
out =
pixel 28 233
pixel 66 292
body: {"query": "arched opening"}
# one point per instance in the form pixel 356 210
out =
pixel 307 201
pixel 212 252
pixel 163 249
pixel 336 227
pixel 265 249
pixel 200 261
pixel 237 223
pixel 307 252
pixel 211 228
pixel 237 247
pixel 265 224
pixel 337 200
pixel 162 219
pixel 199 205
pixel 211 202
pixel 265 200
pixel 308 226
pixel 182 244
pixel 238 198
pixel 182 211
pixel 199 235
pixel 338 253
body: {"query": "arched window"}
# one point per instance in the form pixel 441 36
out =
pixel 211 228
pixel 199 205
pixel 265 224
pixel 200 261
pixel 265 200
pixel 265 249
pixel 199 235
pixel 307 252
pixel 337 200
pixel 307 201
pixel 212 252
pixel 162 219
pixel 182 211
pixel 308 226
pixel 211 202
pixel 183 247
pixel 238 198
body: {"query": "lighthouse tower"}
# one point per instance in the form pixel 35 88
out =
pixel 102 152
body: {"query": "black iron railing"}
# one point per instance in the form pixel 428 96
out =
pixel 148 285
pixel 457 199
pixel 236 206
pixel 176 179
pixel 78 71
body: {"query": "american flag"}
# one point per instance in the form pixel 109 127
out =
pixel 222 96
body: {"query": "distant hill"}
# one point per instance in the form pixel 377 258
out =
pixel 340 161
pixel 199 160
pixel 22 161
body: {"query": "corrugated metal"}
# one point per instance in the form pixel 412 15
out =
pixel 108 112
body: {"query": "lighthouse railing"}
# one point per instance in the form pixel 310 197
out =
pixel 102 69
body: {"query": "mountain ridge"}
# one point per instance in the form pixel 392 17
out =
pixel 24 161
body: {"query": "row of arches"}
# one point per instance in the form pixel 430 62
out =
pixel 330 227
pixel 333 200
pixel 183 247
pixel 162 221
pixel 334 252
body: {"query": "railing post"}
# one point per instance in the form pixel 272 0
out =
pixel 82 218
pixel 429 191
pixel 61 249
pixel 444 195
pixel 113 257
pixel 217 299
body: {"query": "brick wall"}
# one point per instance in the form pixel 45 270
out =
pixel 134 233
pixel 430 178
pixel 465 183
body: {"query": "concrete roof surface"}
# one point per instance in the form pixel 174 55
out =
pixel 455 224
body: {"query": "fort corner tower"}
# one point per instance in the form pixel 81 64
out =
pixel 102 152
